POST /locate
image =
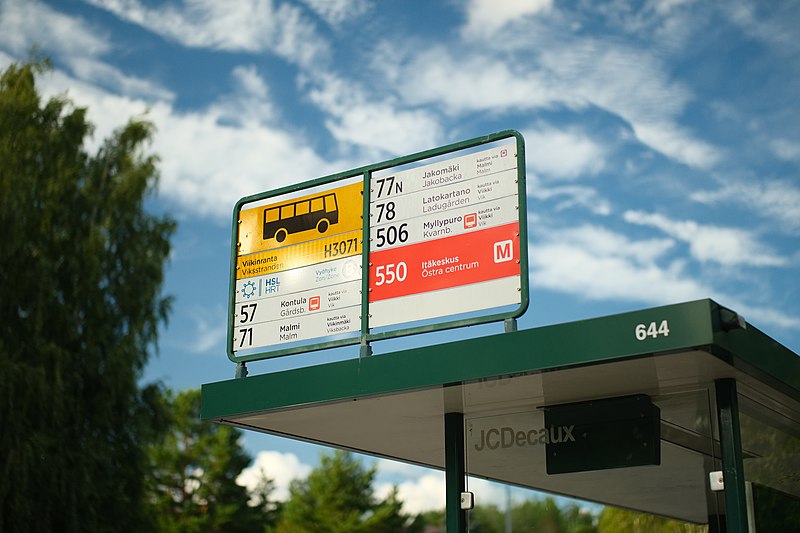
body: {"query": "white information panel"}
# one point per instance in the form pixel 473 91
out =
pixel 445 238
pixel 299 304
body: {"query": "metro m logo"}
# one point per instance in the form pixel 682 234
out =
pixel 503 251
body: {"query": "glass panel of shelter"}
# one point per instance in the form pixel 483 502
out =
pixel 511 445
pixel 770 431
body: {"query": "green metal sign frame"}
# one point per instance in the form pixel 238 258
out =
pixel 365 337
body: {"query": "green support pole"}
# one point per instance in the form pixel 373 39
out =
pixel 454 472
pixel 366 349
pixel 732 465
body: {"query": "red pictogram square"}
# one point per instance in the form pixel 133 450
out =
pixel 470 220
pixel 314 303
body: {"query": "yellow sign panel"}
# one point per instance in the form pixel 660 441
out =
pixel 301 220
pixel 299 255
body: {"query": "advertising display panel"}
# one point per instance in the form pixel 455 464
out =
pixel 429 241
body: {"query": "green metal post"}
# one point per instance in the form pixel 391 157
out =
pixel 366 349
pixel 510 325
pixel 732 465
pixel 454 472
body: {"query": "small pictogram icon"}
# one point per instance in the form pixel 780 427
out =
pixel 248 289
pixel 470 220
pixel 503 251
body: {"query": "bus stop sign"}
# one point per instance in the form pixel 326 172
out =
pixel 423 242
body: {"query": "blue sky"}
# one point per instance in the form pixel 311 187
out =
pixel 663 147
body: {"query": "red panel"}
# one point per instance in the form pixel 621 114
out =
pixel 464 259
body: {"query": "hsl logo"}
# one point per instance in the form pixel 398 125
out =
pixel 506 437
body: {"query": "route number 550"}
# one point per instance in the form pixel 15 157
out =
pixel 390 273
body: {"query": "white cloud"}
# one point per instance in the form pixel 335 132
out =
pixel 420 490
pixel 207 166
pixel 249 102
pixel 424 489
pixel 570 196
pixel 106 111
pixel 73 41
pixel 634 86
pixel 544 69
pixel 758 315
pixel 665 24
pixel 664 7
pixel 776 200
pixel 5 60
pixel 335 12
pixel 247 25
pixel 492 493
pixel 474 82
pixel 776 26
pixel 21 20
pixel 727 246
pixel 676 142
pixel 251 83
pixel 104 75
pixel 486 17
pixel 391 467
pixel 209 332
pixel 600 241
pixel 281 468
pixel 566 154
pixel 209 158
pixel 380 125
pixel 420 494
pixel 786 149
pixel 596 264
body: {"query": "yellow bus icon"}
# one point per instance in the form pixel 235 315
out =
pixel 318 212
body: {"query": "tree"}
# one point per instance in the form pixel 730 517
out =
pixel 80 305
pixel 579 520
pixel 533 515
pixel 614 519
pixel 194 471
pixel 432 521
pixel 336 497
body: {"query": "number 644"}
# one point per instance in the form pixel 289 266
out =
pixel 652 330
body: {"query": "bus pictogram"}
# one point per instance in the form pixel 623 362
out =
pixel 319 212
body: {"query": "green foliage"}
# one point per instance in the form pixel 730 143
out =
pixel 432 520
pixel 336 497
pixel 80 304
pixel 532 515
pixel 486 519
pixel 194 471
pixel 615 520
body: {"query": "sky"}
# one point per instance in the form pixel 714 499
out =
pixel 662 144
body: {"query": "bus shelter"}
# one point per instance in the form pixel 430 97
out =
pixel 684 411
